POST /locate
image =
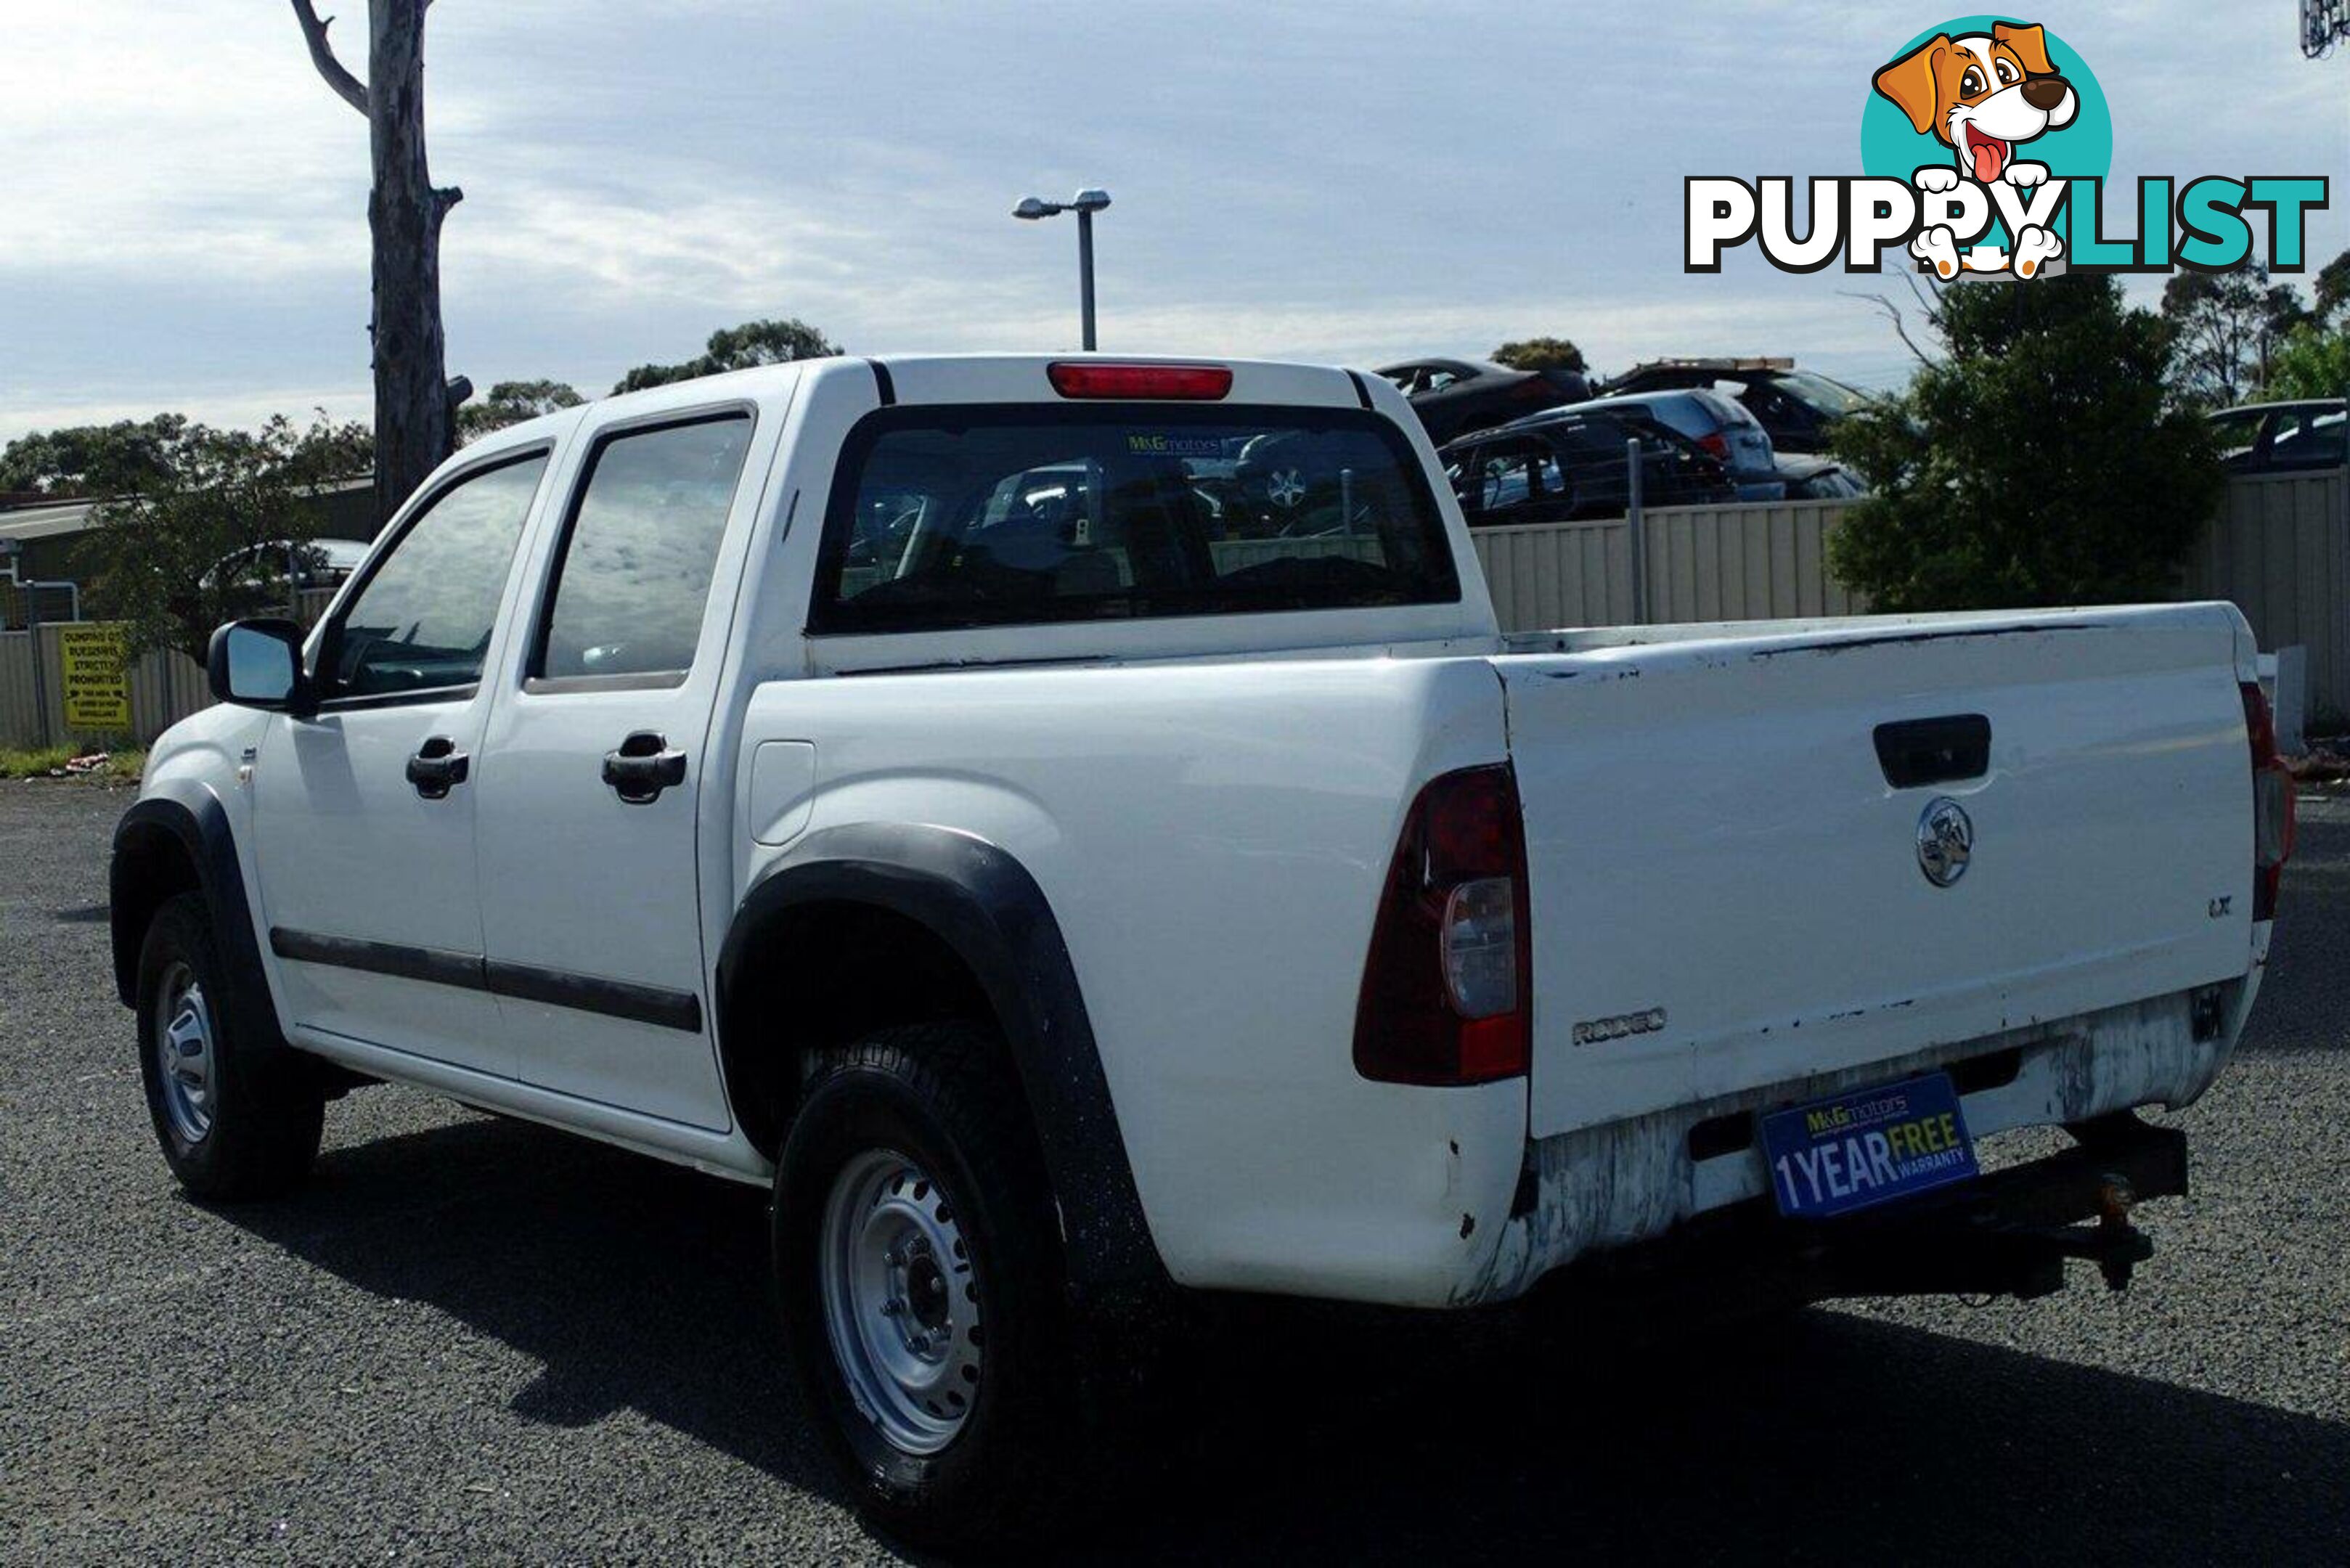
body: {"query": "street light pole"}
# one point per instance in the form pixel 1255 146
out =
pixel 1086 274
pixel 1085 204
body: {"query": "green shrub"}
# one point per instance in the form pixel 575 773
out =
pixel 2038 462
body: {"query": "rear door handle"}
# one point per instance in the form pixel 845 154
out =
pixel 645 766
pixel 437 767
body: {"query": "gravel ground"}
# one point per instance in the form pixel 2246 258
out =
pixel 476 1339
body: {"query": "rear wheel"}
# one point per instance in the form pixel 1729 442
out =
pixel 919 1270
pixel 236 1117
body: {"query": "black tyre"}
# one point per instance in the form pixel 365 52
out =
pixel 919 1274
pixel 237 1113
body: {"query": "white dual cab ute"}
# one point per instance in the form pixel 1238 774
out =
pixel 1076 830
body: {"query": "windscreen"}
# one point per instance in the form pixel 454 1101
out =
pixel 958 517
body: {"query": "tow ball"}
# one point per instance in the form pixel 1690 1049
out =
pixel 2127 1248
pixel 2113 1243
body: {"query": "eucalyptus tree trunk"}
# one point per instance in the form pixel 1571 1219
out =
pixel 415 405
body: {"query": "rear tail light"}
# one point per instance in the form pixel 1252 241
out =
pixel 1446 991
pixel 2272 803
pixel 1714 445
pixel 1535 389
pixel 1087 379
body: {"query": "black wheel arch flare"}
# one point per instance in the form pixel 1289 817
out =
pixel 982 904
pixel 159 840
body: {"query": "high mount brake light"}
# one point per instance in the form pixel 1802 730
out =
pixel 1091 378
pixel 2272 803
pixel 1447 994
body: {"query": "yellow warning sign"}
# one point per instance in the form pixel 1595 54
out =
pixel 97 686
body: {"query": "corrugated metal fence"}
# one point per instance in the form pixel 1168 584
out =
pixel 164 689
pixel 2281 552
pixel 165 686
pixel 1750 562
pixel 2280 548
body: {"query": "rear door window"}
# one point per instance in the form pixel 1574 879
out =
pixel 959 517
pixel 634 570
pixel 2307 438
pixel 1505 477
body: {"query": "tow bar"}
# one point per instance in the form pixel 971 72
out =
pixel 2011 1234
pixel 2007 1234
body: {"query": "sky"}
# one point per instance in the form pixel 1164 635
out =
pixel 182 203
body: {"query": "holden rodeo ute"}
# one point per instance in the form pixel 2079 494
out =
pixel 1075 831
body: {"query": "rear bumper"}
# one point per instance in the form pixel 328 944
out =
pixel 1613 1186
pixel 2009 1234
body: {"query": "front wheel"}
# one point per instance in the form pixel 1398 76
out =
pixel 919 1270
pixel 235 1118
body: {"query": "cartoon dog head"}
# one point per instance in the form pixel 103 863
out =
pixel 1982 93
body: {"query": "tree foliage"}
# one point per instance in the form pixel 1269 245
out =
pixel 93 460
pixel 1540 354
pixel 2313 363
pixel 2332 291
pixel 2038 462
pixel 777 342
pixel 510 403
pixel 156 552
pixel 2228 327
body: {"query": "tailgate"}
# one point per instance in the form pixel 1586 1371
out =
pixel 1728 890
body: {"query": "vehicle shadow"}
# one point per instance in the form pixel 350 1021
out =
pixel 1322 1435
pixel 634 1285
pixel 1823 1438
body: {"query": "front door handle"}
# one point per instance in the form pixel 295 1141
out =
pixel 437 767
pixel 645 766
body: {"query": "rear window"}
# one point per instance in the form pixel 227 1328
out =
pixel 1724 409
pixel 956 517
pixel 1828 396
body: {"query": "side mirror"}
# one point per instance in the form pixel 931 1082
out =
pixel 258 664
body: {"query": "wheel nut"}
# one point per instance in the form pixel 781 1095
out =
pixel 893 1307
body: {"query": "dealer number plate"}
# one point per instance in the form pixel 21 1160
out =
pixel 1868 1147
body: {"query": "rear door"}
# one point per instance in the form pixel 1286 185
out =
pixel 2306 437
pixel 1731 883
pixel 592 772
pixel 1516 480
pixel 1593 476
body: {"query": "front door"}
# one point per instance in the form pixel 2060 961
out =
pixel 365 812
pixel 593 771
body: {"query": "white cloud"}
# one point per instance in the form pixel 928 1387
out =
pixel 186 201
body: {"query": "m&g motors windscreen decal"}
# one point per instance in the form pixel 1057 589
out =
pixel 1986 144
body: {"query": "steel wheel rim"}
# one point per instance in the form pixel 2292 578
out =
pixel 186 1058
pixel 900 1301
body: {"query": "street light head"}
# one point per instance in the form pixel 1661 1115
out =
pixel 1090 201
pixel 1030 207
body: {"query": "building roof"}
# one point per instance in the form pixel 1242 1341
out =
pixel 58 519
pixel 46 522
